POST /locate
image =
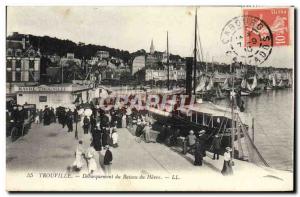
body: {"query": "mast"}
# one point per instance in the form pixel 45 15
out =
pixel 62 73
pixel 232 111
pixel 168 61
pixel 195 52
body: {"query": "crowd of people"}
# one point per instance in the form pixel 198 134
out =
pixel 102 126
pixel 197 145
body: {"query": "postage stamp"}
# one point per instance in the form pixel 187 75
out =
pixel 278 21
pixel 247 39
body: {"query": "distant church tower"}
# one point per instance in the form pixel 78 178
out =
pixel 152 48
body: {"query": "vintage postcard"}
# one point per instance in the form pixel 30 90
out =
pixel 161 98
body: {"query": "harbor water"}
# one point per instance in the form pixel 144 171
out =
pixel 273 113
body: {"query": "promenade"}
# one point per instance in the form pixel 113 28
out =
pixel 51 149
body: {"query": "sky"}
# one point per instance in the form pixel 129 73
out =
pixel 133 28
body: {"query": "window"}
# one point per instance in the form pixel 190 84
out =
pixel 8 63
pixel 18 53
pixel 8 76
pixel 200 118
pixel 18 64
pixel 43 99
pixel 31 76
pixel 9 52
pixel 194 114
pixel 24 76
pixel 18 76
pixel 31 64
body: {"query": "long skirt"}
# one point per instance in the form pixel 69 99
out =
pixel 92 165
pixel 86 129
pixel 78 161
pixel 198 159
pixel 124 123
pixel 70 126
pixel 147 136
pixel 227 168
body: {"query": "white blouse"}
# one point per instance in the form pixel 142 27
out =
pixel 227 156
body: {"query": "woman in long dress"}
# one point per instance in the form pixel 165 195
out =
pixel 227 166
pixel 77 165
pixel 147 132
pixel 91 158
pixel 198 153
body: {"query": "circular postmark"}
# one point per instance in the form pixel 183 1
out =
pixel 248 39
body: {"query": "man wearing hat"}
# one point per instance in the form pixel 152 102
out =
pixel 97 142
pixel 198 153
pixel 105 136
pixel 139 128
pixel 46 117
pixel 216 145
pixel 203 137
pixel 191 140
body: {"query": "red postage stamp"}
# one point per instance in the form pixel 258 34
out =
pixel 277 19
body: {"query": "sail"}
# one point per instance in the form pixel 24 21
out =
pixel 290 80
pixel 210 85
pixel 249 87
pixel 201 85
pixel 254 84
pixel 273 80
pixel 270 77
pixel 225 84
pixel 219 92
pixel 244 84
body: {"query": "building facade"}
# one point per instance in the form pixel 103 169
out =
pixel 162 75
pixel 65 95
pixel 22 64
pixel 138 63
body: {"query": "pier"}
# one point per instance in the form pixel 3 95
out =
pixel 51 149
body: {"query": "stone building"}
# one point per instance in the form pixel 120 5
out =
pixel 22 64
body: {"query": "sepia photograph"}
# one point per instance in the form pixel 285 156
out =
pixel 150 98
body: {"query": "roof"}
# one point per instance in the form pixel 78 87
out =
pixel 166 91
pixel 14 44
pixel 216 110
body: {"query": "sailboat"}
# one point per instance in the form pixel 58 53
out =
pixel 210 85
pixel 255 91
pixel 201 85
pixel 273 81
pixel 245 88
pixel 225 85
pixel 250 90
pixel 280 85
pixel 269 86
pixel 290 81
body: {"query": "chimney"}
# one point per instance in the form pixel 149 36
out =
pixel 189 78
pixel 23 43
